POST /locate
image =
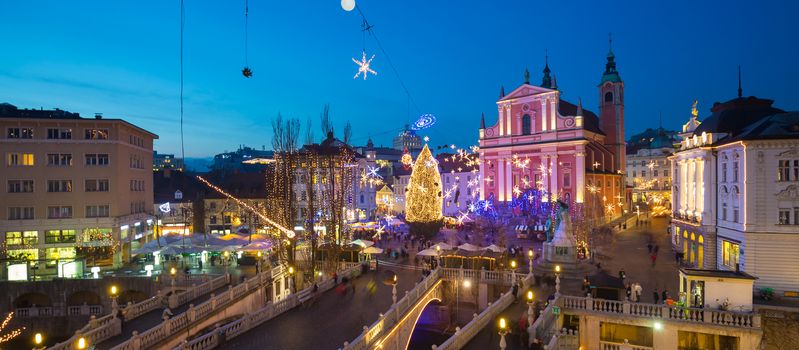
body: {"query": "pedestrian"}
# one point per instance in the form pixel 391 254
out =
pixel 657 247
pixel 637 291
pixel 515 290
pixel 622 274
pixel 655 295
pixel 677 258
pixel 629 290
pixel 665 295
pixel 523 338
pixel 335 278
pixel 649 246
pixel 653 257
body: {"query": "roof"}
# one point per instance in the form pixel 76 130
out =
pixel 733 116
pixel 240 185
pixel 717 273
pixel 166 182
pixel 329 146
pixel 590 120
pixel 10 111
pixel 773 127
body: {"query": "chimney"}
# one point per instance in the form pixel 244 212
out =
pixel 98 116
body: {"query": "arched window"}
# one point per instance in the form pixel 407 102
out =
pixel 608 96
pixel 526 125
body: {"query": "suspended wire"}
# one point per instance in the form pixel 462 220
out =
pixel 182 24
pixel 369 29
pixel 246 32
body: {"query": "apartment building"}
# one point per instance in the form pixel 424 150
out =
pixel 77 192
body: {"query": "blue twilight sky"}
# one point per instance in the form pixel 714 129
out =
pixel 120 58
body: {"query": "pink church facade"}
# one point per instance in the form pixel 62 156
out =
pixel 543 142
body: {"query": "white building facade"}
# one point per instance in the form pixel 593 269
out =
pixel 736 193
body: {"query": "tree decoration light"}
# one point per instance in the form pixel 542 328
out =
pixel 363 66
pixel 5 337
pixel 424 194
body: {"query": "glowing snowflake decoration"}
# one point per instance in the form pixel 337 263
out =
pixel 373 172
pixel 363 66
pixel 461 217
pixel 379 232
pixel 426 139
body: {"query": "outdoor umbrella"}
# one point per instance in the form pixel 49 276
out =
pixel 363 243
pixel 428 252
pixel 145 250
pixel 255 247
pixel 373 250
pixel 442 245
pixel 494 248
pixel 469 247
pixel 175 250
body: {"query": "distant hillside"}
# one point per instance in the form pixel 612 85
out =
pixel 198 164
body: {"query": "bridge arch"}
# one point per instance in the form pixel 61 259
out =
pixel 33 299
pixel 435 301
pixel 83 297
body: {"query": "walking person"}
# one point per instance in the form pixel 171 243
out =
pixel 649 247
pixel 655 295
pixel 665 295
pixel 653 257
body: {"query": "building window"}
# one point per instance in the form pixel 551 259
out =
pixel 735 171
pixel 96 134
pixel 227 219
pixel 20 186
pixel 97 185
pixel 729 253
pixel 59 185
pixel 97 211
pixel 22 238
pixel 59 134
pixel 654 173
pixel 784 171
pixel 724 211
pixel 634 174
pixel 723 172
pixel 567 180
pixel 212 219
pixel 643 173
pixel 19 159
pixel 14 238
pixel 93 159
pixel 361 199
pixel 59 212
pixel 20 213
pixel 137 185
pixel 59 236
pixel 526 125
pixel 608 96
pixel 784 216
pixel 59 159
pixel 20 133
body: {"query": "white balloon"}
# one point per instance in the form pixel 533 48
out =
pixel 348 5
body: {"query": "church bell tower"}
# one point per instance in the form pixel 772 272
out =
pixel 611 111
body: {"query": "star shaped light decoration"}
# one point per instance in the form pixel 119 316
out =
pixel 363 66
pixel 379 232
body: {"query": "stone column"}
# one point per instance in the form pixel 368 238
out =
pixel 508 180
pixel 508 118
pixel 501 121
pixel 499 181
pixel 553 113
pixel 482 173
pixel 700 183
pixel 544 115
pixel 580 177
pixel 554 180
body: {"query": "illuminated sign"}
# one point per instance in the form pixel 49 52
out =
pixel 164 208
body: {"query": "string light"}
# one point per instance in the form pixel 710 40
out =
pixel 424 192
pixel 289 233
pixel 10 335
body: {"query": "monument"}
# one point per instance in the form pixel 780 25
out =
pixel 560 249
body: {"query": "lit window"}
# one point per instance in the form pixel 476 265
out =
pixel 730 253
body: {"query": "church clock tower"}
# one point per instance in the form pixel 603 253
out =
pixel 611 111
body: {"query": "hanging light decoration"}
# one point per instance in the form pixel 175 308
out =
pixel 246 71
pixel 363 66
pixel 425 121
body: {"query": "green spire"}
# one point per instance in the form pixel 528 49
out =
pixel 547 80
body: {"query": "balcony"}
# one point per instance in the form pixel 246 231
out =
pixel 747 320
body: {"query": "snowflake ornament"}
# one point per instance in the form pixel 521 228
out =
pixel 363 66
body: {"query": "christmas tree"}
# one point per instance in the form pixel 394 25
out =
pixel 423 196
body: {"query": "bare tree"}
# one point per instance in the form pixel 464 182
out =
pixel 309 137
pixel 347 133
pixel 326 124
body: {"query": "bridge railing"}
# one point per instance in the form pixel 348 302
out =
pixel 660 311
pixel 394 313
pixel 151 337
pixel 493 277
pixel 471 329
pixel 266 313
pixel 564 339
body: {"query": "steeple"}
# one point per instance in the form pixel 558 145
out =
pixel 526 76
pixel 547 80
pixel 370 144
pixel 740 91
pixel 501 91
pixel 483 121
pixel 610 74
pixel 554 82
pixel 579 107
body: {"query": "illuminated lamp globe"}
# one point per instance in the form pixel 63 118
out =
pixel 348 5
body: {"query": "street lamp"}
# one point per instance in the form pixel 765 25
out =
pixel 438 255
pixel 557 279
pixel 38 339
pixel 530 258
pixel 291 279
pixel 503 330
pixel 513 271
pixel 530 311
pixel 394 291
pixel 114 291
pixel 82 343
pixel 173 272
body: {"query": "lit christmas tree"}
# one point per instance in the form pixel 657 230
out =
pixel 423 196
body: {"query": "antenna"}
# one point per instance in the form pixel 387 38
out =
pixel 740 91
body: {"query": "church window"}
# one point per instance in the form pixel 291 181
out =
pixel 608 96
pixel 526 125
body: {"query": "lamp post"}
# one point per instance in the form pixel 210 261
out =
pixel 38 339
pixel 82 343
pixel 438 255
pixel 172 272
pixel 503 330
pixel 530 258
pixel 394 291
pixel 114 291
pixel 557 280
pixel 530 311
pixel 513 272
pixel 466 284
